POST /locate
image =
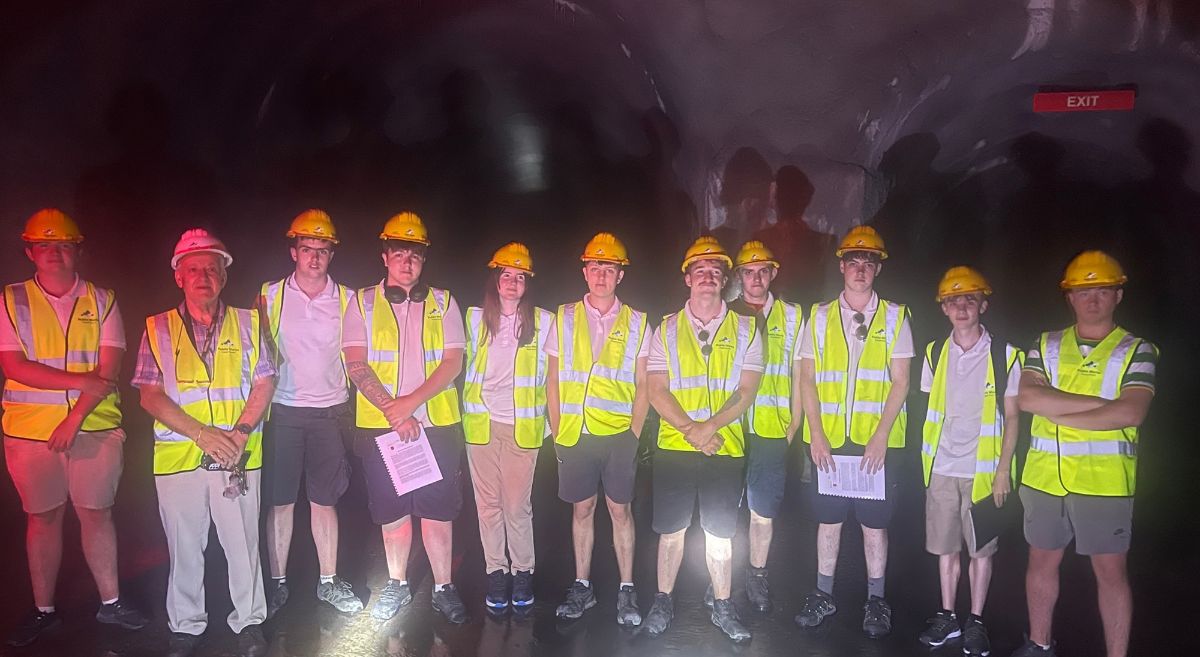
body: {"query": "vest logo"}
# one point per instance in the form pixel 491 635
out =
pixel 880 334
pixel 87 317
pixel 776 330
pixel 617 336
pixel 435 313
pixel 989 389
pixel 724 343
pixel 227 347
pixel 1089 368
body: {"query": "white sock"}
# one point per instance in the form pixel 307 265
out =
pixel 437 588
pixel 584 582
pixel 46 610
pixel 1041 646
pixel 327 579
pixel 624 584
pixel 109 602
pixel 282 579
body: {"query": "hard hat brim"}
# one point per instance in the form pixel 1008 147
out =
pixel 385 237
pixel 293 234
pixel 33 240
pixel 707 256
pixel 844 250
pixel 1068 285
pixel 987 292
pixel 756 262
pixel 180 256
pixel 616 261
pixel 498 265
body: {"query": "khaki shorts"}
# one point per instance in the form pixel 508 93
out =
pixel 948 518
pixel 1099 525
pixel 87 473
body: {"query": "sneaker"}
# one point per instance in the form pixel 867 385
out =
pixel 1031 649
pixel 496 598
pixel 758 590
pixel 627 609
pixel 182 645
pixel 817 606
pixel 943 628
pixel 449 604
pixel 580 598
pixel 339 594
pixel 32 627
pixel 278 598
pixel 975 638
pixel 119 613
pixel 522 589
pixel 389 601
pixel 251 642
pixel 725 616
pixel 661 613
pixel 877 618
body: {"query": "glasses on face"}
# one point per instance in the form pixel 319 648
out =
pixel 704 336
pixel 860 331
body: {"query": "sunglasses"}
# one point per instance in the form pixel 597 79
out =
pixel 704 336
pixel 860 332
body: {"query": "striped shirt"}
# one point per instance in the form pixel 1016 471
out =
pixel 1141 372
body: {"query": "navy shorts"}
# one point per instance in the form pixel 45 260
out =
pixel 299 440
pixel 683 478
pixel 873 514
pixel 766 474
pixel 440 500
pixel 610 461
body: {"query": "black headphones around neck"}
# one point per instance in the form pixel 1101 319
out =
pixel 397 294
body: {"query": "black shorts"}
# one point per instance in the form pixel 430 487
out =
pixel 680 477
pixel 596 460
pixel 440 500
pixel 873 514
pixel 766 474
pixel 309 441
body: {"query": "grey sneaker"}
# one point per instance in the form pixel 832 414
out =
pixel 757 589
pixel 391 598
pixel 339 594
pixel 580 598
pixel 119 613
pixel 32 627
pixel 943 628
pixel 627 609
pixel 522 589
pixel 450 604
pixel 877 618
pixel 725 616
pixel 975 638
pixel 278 598
pixel 661 613
pixel 1031 649
pixel 817 606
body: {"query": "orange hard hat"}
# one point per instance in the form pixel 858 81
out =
pixel 51 225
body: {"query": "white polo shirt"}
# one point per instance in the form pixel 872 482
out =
pixel 112 330
pixel 498 376
pixel 311 373
pixel 599 326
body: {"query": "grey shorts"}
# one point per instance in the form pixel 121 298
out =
pixel 610 461
pixel 1099 525
pixel 766 474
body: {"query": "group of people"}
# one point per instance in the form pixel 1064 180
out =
pixel 244 398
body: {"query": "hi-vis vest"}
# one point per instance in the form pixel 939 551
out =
pixel 1064 460
pixel 213 398
pixel 383 355
pixel 832 362
pixel 771 412
pixel 271 301
pixel 33 413
pixel 600 392
pixel 991 423
pixel 703 385
pixel 529 383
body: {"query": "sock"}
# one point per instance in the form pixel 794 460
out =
pixel 46 610
pixel 1041 646
pixel 327 579
pixel 401 582
pixel 585 582
pixel 438 588
pixel 825 584
pixel 875 587
pixel 280 581
pixel 624 584
pixel 109 602
pixel 951 613
pixel 973 617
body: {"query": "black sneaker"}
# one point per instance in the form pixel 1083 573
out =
pixel 1031 649
pixel 251 642
pixel 580 598
pixel 389 601
pixel 182 645
pixel 817 606
pixel 943 628
pixel 496 597
pixel 661 613
pixel 278 597
pixel 119 613
pixel 877 618
pixel 627 609
pixel 32 627
pixel 758 590
pixel 975 638
pixel 449 604
pixel 522 589
pixel 725 616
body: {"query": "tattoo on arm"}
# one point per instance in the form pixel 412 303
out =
pixel 368 383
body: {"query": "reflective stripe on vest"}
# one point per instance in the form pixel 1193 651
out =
pixel 703 385
pixel 528 386
pixel 596 394
pixel 271 302
pixel 771 412
pixel 214 399
pixel 34 413
pixel 1064 460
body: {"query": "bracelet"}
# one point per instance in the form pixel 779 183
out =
pixel 200 433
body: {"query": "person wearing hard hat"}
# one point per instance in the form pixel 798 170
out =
pixel 61 342
pixel 206 373
pixel 852 366
pixel 771 420
pixel 303 313
pixel 1089 388
pixel 504 419
pixel 597 405
pixel 403 343
pixel 704 369
pixel 970 434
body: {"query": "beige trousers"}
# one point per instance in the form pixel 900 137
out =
pixel 502 474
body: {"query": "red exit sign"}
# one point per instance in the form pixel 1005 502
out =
pixel 1084 101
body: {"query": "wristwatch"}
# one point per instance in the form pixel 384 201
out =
pixel 243 429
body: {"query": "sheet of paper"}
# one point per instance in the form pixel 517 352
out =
pixel 411 465
pixel 851 481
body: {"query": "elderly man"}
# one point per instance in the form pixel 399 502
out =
pixel 206 376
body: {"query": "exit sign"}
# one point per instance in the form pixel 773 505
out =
pixel 1084 101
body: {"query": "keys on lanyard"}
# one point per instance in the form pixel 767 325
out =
pixel 237 486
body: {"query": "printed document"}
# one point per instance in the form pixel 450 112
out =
pixel 848 480
pixel 411 465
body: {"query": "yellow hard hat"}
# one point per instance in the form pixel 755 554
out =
pixel 755 251
pixel 961 280
pixel 315 224
pixel 51 225
pixel 514 255
pixel 406 226
pixel 706 247
pixel 605 247
pixel 1093 269
pixel 862 238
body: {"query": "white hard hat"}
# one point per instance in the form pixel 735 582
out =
pixel 197 240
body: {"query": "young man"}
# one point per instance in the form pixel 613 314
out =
pixel 403 343
pixel 61 342
pixel 1089 388
pixel 852 361
pixel 597 405
pixel 704 368
pixel 303 313
pixel 770 422
pixel 969 437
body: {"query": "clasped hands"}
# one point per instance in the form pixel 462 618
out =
pixel 225 446
pixel 399 413
pixel 703 437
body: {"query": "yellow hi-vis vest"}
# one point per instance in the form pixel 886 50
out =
pixel 529 384
pixel 383 355
pixel 703 385
pixel 771 412
pixel 599 394
pixel 33 413
pixel 1064 460
pixel 214 398
pixel 991 423
pixel 271 301
pixel 874 380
